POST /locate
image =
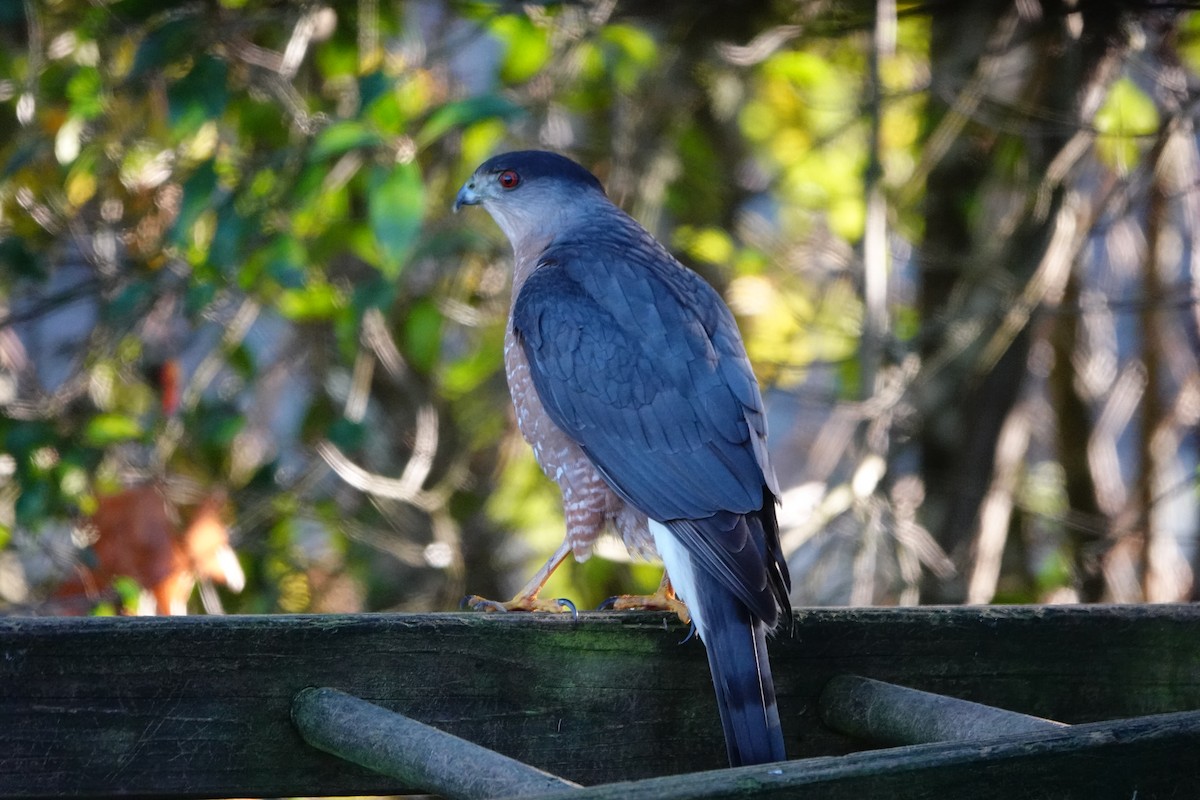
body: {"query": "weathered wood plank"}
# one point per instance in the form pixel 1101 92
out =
pixel 414 753
pixel 200 706
pixel 888 714
pixel 1138 759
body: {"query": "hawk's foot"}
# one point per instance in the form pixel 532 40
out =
pixel 662 600
pixel 520 603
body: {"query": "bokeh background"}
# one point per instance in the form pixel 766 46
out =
pixel 243 338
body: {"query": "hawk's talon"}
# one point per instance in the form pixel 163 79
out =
pixel 520 603
pixel 664 599
pixel 477 603
pixel 691 632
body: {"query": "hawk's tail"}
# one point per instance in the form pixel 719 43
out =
pixel 737 657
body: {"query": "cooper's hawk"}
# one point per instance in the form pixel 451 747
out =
pixel 631 383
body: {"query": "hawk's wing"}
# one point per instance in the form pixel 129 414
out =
pixel 641 364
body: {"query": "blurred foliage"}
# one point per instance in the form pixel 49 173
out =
pixel 256 195
pixel 1125 122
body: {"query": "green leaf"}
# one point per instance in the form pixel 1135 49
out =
pixel 1125 121
pixel 461 113
pixel 527 47
pixel 216 427
pixel 131 302
pixel 423 335
pixel 317 301
pixel 22 438
pixel 378 293
pixel 1187 39
pixel 347 435
pixel 1127 111
pixel 198 296
pixel 85 90
pixel 171 42
pixel 341 137
pixel 198 96
pixel 228 248
pixel 134 10
pixel 468 374
pixel 372 86
pixel 128 589
pixel 632 53
pixel 197 197
pixel 106 429
pixel 32 503
pixel 283 260
pixel 395 205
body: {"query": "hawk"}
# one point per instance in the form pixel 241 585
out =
pixel 631 383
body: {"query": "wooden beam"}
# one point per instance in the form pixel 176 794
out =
pixel 888 714
pixel 200 706
pixel 414 753
pixel 1147 757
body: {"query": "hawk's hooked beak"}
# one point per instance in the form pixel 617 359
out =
pixel 467 196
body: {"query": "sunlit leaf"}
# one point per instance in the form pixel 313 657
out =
pixel 129 592
pixel 480 139
pixel 1187 40
pixel 106 429
pixel 633 52
pixel 310 303
pixel 469 373
pixel 386 114
pixel 85 91
pixel 527 47
pixel 81 181
pixel 710 245
pixel 423 335
pixel 1125 120
pixel 395 204
pixel 341 137
pixel 338 58
pixel 460 113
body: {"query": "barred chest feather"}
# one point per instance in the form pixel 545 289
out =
pixel 589 505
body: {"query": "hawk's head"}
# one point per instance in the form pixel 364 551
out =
pixel 528 189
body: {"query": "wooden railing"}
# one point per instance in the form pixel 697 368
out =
pixel 474 705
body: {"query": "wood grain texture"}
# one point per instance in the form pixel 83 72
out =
pixel 414 753
pixel 200 706
pixel 888 715
pixel 1139 759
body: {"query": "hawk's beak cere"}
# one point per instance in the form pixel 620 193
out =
pixel 467 196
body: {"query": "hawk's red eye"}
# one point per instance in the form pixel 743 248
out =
pixel 509 179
